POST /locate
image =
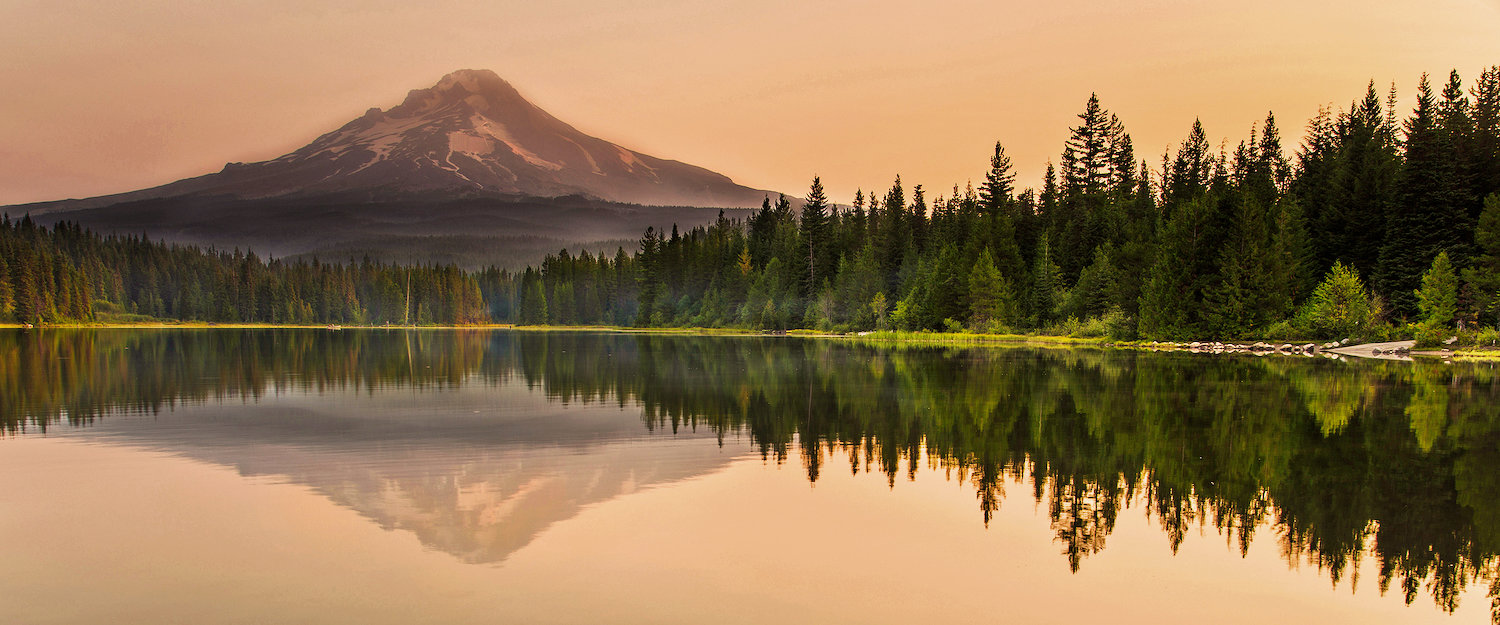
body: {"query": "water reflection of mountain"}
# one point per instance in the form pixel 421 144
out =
pixel 465 471
pixel 1395 461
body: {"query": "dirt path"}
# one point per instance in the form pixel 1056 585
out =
pixel 1367 350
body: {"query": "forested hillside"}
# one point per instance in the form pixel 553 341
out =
pixel 1377 225
pixel 66 274
pixel 1375 220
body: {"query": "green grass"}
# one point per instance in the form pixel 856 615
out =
pixel 972 338
pixel 1481 353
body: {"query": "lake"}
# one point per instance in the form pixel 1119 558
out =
pixel 493 476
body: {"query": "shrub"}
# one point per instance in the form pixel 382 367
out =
pixel 1382 332
pixel 1339 307
pixel 1431 336
pixel 1438 297
pixel 1120 326
pixel 1093 327
pixel 1288 330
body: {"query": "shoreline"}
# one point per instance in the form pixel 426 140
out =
pixel 884 337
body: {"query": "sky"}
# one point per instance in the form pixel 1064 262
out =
pixel 111 96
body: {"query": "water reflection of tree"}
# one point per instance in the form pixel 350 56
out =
pixel 1395 461
pixel 80 375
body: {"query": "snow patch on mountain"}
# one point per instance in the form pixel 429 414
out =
pixel 467 143
pixel 503 135
pixel 629 159
pixel 593 164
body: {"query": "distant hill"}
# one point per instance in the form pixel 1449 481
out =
pixel 468 157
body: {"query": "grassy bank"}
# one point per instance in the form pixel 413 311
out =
pixel 947 338
pixel 1484 354
pixel 969 338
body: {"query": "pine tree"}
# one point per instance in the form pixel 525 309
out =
pixel 1455 121
pixel 534 303
pixel 1123 178
pixel 1244 294
pixel 651 286
pixel 1003 240
pixel 947 288
pixel 742 263
pixel 894 234
pixel 817 237
pixel 6 300
pixel 1091 294
pixel 917 224
pixel 999 183
pixel 1090 176
pixel 1351 225
pixel 1189 173
pixel 991 299
pixel 1267 171
pixel 1292 258
pixel 858 281
pixel 762 233
pixel 880 309
pixel 1047 208
pixel 1482 280
pixel 1172 294
pixel 27 301
pixel 563 305
pixel 1313 186
pixel 1484 145
pixel 1087 155
pixel 1046 285
pixel 1134 254
pixel 1339 306
pixel 1438 297
pixel 624 288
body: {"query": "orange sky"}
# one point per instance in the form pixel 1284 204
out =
pixel 103 97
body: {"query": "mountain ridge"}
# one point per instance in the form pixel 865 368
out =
pixel 470 134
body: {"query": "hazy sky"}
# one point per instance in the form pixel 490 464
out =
pixel 110 96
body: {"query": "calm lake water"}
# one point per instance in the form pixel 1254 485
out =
pixel 302 476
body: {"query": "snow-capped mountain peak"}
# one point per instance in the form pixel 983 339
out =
pixel 471 133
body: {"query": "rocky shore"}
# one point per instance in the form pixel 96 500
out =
pixel 1334 349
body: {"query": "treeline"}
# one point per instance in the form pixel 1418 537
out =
pixel 66 274
pixel 1333 239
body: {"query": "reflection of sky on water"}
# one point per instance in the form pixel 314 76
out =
pixel 149 536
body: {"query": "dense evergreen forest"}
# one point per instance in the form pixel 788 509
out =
pixel 66 274
pixel 1377 226
pixel 1373 223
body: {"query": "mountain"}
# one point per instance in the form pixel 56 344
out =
pixel 470 134
pixel 468 157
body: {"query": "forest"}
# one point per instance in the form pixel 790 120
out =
pixel 1377 226
pixel 65 274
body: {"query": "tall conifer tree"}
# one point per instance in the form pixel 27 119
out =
pixel 817 238
pixel 1429 216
